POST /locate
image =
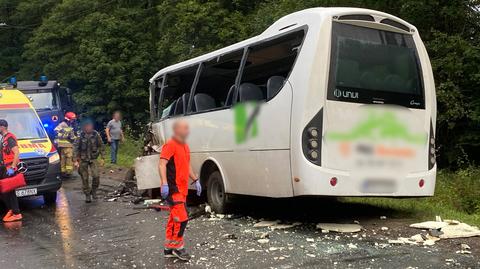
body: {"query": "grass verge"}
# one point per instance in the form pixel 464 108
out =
pixel 127 152
pixel 457 196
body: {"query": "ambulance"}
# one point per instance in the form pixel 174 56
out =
pixel 37 153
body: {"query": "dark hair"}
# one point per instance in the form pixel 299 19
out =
pixel 3 123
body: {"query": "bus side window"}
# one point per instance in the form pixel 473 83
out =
pixel 156 91
pixel 216 82
pixel 176 92
pixel 268 66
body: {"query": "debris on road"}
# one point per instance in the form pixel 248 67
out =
pixel 383 217
pixel 448 229
pixel 265 223
pixel 151 202
pixel 384 228
pixel 263 240
pixel 339 228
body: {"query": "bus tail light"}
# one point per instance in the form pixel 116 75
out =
pixel 312 139
pixel 421 183
pixel 333 181
pixel 431 148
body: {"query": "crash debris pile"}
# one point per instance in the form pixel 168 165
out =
pixel 127 191
pixel 437 230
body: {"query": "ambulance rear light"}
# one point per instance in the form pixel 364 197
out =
pixel 421 183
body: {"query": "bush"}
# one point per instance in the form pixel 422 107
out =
pixel 466 186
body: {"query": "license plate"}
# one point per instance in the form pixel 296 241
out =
pixel 379 186
pixel 26 192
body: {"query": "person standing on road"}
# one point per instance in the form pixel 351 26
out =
pixel 86 150
pixel 9 158
pixel 65 136
pixel 175 169
pixel 114 135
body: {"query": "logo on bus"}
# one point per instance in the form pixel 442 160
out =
pixel 345 94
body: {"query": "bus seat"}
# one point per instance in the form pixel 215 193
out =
pixel 229 100
pixel 179 107
pixel 250 92
pixel 182 103
pixel 203 102
pixel 172 109
pixel 274 85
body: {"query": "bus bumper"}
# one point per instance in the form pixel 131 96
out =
pixel 328 182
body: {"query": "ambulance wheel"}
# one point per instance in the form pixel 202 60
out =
pixel 50 198
pixel 216 196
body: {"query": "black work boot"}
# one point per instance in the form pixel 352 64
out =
pixel 181 254
pixel 88 198
pixel 168 253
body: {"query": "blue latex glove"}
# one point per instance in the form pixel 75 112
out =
pixel 198 187
pixel 164 191
pixel 10 172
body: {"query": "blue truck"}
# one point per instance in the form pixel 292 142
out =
pixel 49 99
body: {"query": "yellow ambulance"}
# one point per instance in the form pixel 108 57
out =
pixel 36 150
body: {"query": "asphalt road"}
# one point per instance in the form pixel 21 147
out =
pixel 104 234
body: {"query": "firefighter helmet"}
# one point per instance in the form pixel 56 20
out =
pixel 70 116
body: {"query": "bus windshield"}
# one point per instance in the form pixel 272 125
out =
pixel 374 66
pixel 23 123
pixel 42 100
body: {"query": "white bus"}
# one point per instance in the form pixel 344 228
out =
pixel 325 102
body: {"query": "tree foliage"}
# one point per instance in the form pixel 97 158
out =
pixel 106 50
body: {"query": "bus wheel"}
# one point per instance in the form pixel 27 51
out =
pixel 50 198
pixel 217 198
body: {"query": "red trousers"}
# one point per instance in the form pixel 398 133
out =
pixel 177 222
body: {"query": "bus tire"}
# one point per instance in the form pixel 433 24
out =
pixel 50 198
pixel 216 196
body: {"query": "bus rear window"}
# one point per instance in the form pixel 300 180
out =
pixel 374 66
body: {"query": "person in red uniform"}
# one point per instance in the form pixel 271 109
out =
pixel 9 155
pixel 175 170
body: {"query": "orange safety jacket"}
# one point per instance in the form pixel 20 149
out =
pixel 7 153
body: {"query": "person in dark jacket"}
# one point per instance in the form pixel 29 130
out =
pixel 87 148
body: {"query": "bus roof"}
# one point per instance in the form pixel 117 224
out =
pixel 12 97
pixel 35 85
pixel 285 23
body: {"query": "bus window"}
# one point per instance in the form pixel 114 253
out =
pixel 268 66
pixel 156 90
pixel 216 83
pixel 374 66
pixel 176 91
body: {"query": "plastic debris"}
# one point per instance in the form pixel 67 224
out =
pixel 152 201
pixel 383 217
pixel 340 228
pixel 265 223
pixel 263 241
pixel 448 229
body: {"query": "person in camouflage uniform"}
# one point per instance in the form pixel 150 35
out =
pixel 65 136
pixel 86 150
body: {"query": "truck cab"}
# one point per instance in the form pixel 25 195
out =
pixel 36 149
pixel 49 99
